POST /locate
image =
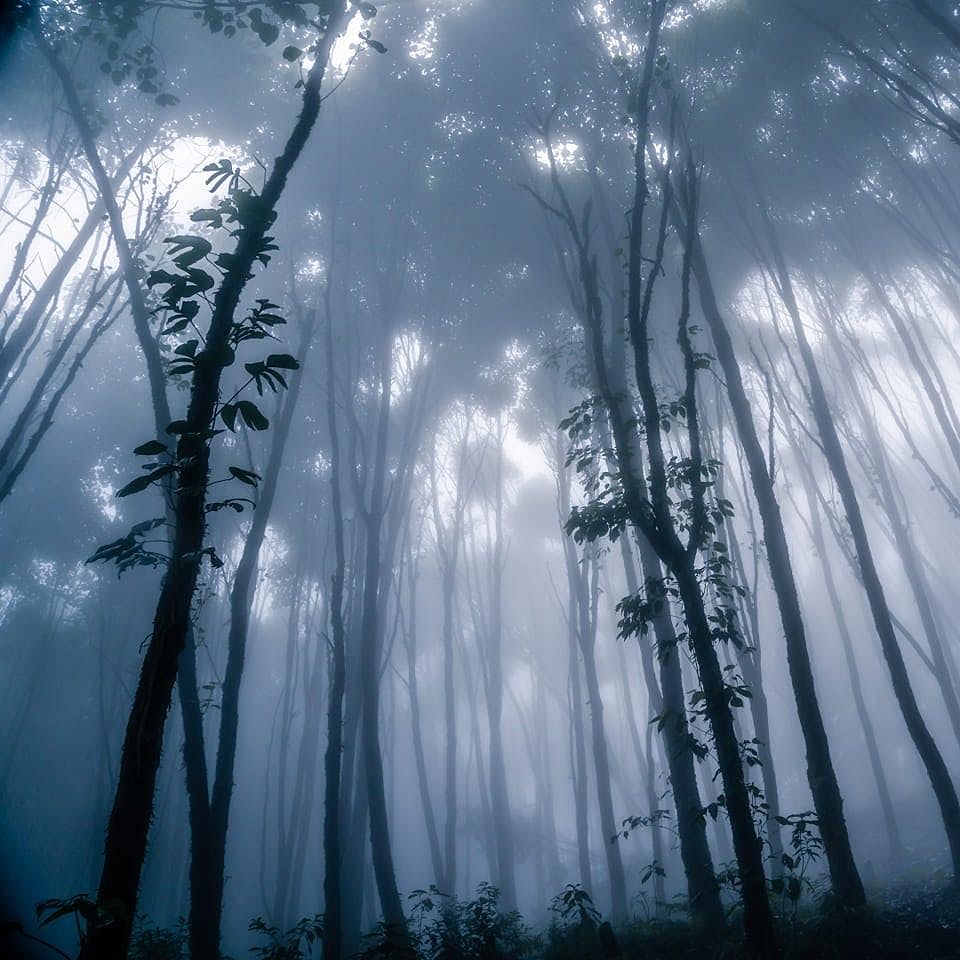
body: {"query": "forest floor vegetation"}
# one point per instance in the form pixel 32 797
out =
pixel 907 920
pixel 903 922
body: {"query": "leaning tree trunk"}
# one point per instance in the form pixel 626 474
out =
pixel 878 468
pixel 926 746
pixel 850 658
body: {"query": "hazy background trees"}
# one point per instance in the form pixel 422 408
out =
pixel 716 242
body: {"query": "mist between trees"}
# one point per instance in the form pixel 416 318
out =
pixel 479 479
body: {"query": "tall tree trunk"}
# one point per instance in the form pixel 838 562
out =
pixel 448 545
pixel 678 558
pixel 849 655
pixel 129 822
pixel 667 703
pixel 652 517
pixel 448 879
pixel 645 767
pixel 751 665
pixel 584 577
pixel 545 789
pixel 821 775
pixel 413 690
pixel 878 468
pixel 493 675
pixel 207 914
pixel 578 771
pixel 926 746
pixel 370 652
pixel 333 755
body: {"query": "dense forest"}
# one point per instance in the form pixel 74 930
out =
pixel 478 479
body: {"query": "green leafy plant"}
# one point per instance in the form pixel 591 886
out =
pixel 182 293
pixel 806 847
pixel 151 942
pixel 574 906
pixel 293 944
pixel 85 912
pixel 474 929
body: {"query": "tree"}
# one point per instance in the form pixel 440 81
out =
pixel 133 803
pixel 820 772
pixel 926 746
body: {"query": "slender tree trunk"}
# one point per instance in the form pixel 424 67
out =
pixel 850 658
pixel 206 915
pixel 926 746
pixel 679 559
pixel 51 368
pixel 579 751
pixel 821 775
pixel 448 879
pixel 353 782
pixel 645 766
pixel 355 863
pixel 499 795
pixel 333 755
pixel 56 167
pixel 545 783
pixel 100 327
pixel 129 822
pixel 128 264
pixel 413 689
pixel 667 702
pixel 939 404
pixel 371 646
pixel 578 739
pixel 14 344
pixel 879 469
pixel 586 633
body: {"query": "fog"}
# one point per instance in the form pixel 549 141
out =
pixel 479 479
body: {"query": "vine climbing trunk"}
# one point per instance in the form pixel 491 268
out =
pixel 821 775
pixel 667 702
pixel 132 811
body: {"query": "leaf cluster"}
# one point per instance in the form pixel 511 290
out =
pixel 296 943
pixel 185 289
pixel 474 929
